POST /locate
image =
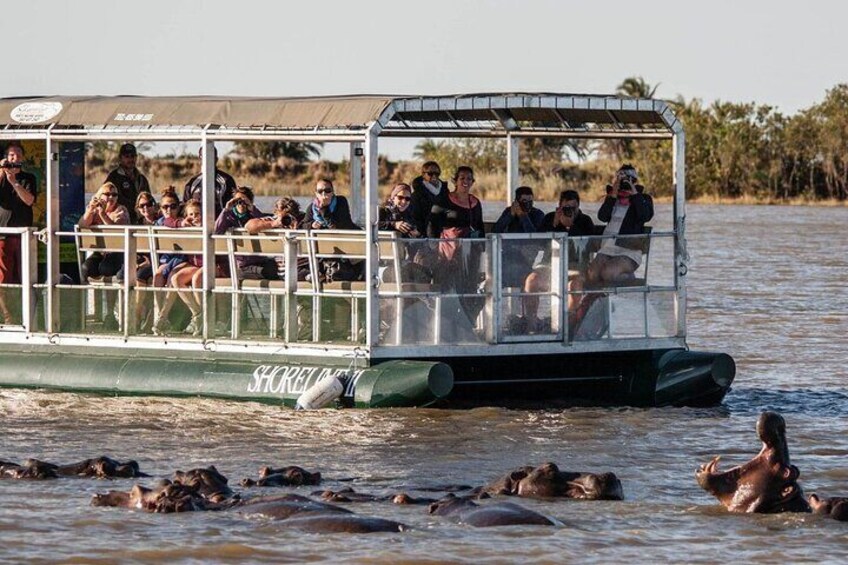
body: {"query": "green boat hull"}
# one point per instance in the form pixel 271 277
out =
pixel 389 384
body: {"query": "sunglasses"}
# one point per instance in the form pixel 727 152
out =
pixel 324 191
pixel 432 173
pixel 403 198
pixel 110 194
pixel 147 205
pixel 170 206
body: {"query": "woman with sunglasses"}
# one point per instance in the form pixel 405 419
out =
pixel 147 213
pixel 328 210
pixel 168 263
pixel 396 215
pixel 147 209
pixel 104 210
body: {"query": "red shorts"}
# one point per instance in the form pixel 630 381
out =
pixel 10 259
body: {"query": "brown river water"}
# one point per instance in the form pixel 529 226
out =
pixel 766 284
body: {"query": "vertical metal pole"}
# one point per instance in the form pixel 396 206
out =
pixel 292 245
pixel 356 182
pixel 208 171
pixel 511 167
pixel 493 332
pixel 53 226
pixel 29 276
pixel 130 252
pixel 372 255
pixel 559 285
pixel 679 171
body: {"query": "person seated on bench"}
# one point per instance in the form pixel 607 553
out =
pixel 567 218
pixel 518 255
pixel 287 216
pixel 428 192
pixel 183 277
pixel 328 210
pixel 168 262
pixel 147 213
pixel 396 214
pixel 104 210
pixel 625 211
pixel 237 212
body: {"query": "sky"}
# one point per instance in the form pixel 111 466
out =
pixel 781 53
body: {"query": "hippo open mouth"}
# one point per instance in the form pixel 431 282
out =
pixel 765 484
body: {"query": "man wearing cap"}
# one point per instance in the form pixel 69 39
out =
pixel 225 186
pixel 128 179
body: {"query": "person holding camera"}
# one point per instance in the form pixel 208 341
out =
pixel 566 218
pixel 625 210
pixel 237 213
pixel 518 254
pixel 17 195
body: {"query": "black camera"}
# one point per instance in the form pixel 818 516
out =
pixel 286 221
pixel 569 210
pixel 240 201
pixel 11 165
pixel 625 185
pixel 525 205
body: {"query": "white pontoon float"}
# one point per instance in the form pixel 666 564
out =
pixel 391 342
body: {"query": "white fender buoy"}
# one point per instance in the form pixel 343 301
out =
pixel 321 394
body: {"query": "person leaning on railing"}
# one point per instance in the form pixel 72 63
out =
pixel 104 210
pixel 286 216
pixel 237 212
pixel 396 216
pixel 625 210
pixel 18 190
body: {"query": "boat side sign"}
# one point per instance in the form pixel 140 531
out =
pixel 293 380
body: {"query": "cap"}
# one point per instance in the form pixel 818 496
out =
pixel 128 149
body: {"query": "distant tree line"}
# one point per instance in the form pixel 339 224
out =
pixel 733 150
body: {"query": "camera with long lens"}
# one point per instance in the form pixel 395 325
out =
pixel 624 184
pixel 286 221
pixel 568 211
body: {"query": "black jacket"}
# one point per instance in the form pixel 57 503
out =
pixel 422 205
pixel 638 214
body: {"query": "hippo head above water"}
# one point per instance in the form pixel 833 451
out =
pixel 548 481
pixel 768 483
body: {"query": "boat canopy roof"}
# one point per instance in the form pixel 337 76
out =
pixel 464 114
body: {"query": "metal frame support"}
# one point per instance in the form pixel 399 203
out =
pixel 53 227
pixel 372 255
pixel 29 276
pixel 208 170
pixel 678 160
pixel 128 302
pixel 356 181
pixel 512 172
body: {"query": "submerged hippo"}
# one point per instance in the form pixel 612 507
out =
pixel 465 511
pixel 31 469
pixel 167 497
pixel 768 483
pixel 350 495
pixel 291 476
pixel 836 507
pixel 207 482
pixel 101 468
pixel 547 481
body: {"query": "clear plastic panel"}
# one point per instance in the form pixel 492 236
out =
pixel 446 289
pixel 530 292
